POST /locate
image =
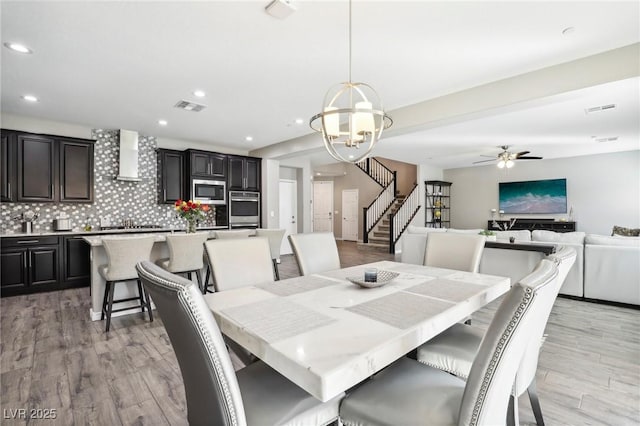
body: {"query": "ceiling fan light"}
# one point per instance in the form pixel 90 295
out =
pixel 509 164
pixel 501 164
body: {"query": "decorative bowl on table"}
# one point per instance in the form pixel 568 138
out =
pixel 383 277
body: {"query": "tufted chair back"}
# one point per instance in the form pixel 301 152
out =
pixel 315 252
pixel 185 251
pixel 211 387
pixel 239 262
pixel 461 252
pixel 522 314
pixel 564 259
pixel 122 255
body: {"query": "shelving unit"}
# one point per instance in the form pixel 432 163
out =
pixel 438 204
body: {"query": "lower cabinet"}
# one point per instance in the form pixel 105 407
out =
pixel 29 265
pixel 45 263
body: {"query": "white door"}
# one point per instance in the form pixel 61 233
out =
pixel 288 212
pixel 323 206
pixel 350 214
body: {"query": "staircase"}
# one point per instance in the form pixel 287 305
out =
pixel 386 218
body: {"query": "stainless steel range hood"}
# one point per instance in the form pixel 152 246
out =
pixel 128 165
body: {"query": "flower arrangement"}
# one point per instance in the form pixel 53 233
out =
pixel 193 212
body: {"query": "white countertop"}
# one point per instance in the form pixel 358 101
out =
pixel 102 232
pixel 96 240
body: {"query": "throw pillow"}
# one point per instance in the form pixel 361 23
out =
pixel 626 232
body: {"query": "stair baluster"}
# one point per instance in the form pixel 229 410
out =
pixel 400 219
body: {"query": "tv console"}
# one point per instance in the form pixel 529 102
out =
pixel 533 224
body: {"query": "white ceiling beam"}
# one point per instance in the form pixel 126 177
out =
pixel 488 99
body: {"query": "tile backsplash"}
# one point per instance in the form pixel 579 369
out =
pixel 114 199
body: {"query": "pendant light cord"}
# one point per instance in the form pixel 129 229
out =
pixel 349 41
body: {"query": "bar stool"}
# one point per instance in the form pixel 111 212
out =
pixel 219 235
pixel 185 255
pixel 122 255
pixel 275 237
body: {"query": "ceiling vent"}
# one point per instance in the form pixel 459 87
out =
pixel 606 139
pixel 280 8
pixel 190 106
pixel 599 108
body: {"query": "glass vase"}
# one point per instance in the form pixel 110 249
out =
pixel 191 225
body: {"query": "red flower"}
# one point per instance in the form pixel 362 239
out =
pixel 177 203
pixel 185 209
pixel 205 208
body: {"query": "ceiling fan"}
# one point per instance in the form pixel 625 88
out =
pixel 506 158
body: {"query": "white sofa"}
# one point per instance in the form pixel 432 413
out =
pixel 612 268
pixel 574 283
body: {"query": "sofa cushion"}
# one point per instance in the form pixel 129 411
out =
pixel 423 230
pixel 465 231
pixel 558 237
pixel 627 232
pixel 604 240
pixel 523 235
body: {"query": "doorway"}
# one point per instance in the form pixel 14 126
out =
pixel 288 212
pixel 350 214
pixel 323 206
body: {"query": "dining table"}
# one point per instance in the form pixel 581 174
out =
pixel 327 334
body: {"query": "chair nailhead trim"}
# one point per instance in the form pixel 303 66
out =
pixel 527 298
pixel 184 297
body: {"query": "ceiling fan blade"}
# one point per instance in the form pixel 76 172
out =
pixel 529 158
pixel 483 161
pixel 522 153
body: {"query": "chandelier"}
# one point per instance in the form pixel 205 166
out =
pixel 352 118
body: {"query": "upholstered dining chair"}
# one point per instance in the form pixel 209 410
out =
pixel 275 237
pixel 122 256
pixel 411 393
pixel 185 255
pixel 254 395
pixel 239 262
pixel 315 252
pixel 461 252
pixel 454 349
pixel 221 235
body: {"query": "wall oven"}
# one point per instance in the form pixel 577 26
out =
pixel 244 209
pixel 209 191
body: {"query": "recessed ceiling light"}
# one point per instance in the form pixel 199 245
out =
pixel 249 138
pixel 30 98
pixel 199 93
pixel 317 173
pixel 568 31
pixel 162 122
pixel 299 121
pixel 351 157
pixel 17 47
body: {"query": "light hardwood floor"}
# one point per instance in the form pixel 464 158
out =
pixel 53 357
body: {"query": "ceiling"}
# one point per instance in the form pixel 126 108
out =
pixel 125 64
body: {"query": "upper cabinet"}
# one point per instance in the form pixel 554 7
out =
pixel 171 176
pixel 208 164
pixel 36 168
pixel 8 167
pixel 76 171
pixel 244 173
pixel 45 168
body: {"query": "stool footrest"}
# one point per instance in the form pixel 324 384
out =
pixel 130 307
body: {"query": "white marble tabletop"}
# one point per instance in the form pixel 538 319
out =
pixel 326 334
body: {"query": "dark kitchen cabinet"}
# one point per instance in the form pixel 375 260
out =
pixel 171 176
pixel 76 171
pixel 76 270
pixel 29 264
pixel 46 168
pixel 208 164
pixel 244 173
pixel 36 168
pixel 8 166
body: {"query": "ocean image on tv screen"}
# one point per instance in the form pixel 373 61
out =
pixel 537 196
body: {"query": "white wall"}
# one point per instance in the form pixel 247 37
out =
pixel 604 190
pixel 270 193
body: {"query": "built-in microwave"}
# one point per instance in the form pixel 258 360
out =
pixel 209 191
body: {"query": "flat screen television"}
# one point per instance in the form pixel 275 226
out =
pixel 534 196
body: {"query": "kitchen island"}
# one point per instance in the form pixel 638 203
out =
pixel 98 256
